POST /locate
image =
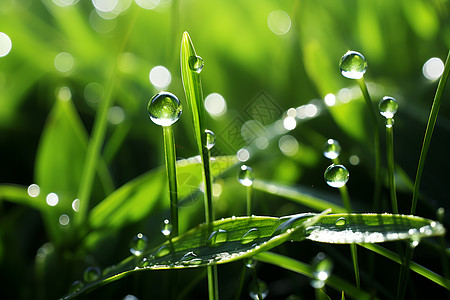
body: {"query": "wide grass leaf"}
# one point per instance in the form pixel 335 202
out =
pixel 220 242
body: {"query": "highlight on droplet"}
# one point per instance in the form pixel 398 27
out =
pixel 160 77
pixel 215 105
pixel 5 44
pixel 433 68
pixel 64 62
pixel 52 199
pixel 279 22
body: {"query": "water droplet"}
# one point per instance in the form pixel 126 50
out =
pixel 210 139
pixel 144 262
pixel 166 227
pixel 162 251
pixel 353 65
pixel 164 109
pixel 196 63
pixel 289 224
pixel 250 236
pixel 76 286
pixel 250 262
pixel 258 288
pixel 92 273
pixel 340 222
pixel 414 240
pixel 108 270
pixel 246 175
pixel 336 175
pixel 322 266
pixel 332 149
pixel 138 244
pixel 217 237
pixel 388 107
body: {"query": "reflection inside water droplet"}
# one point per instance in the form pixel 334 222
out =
pixel 210 139
pixel 258 288
pixel 217 237
pixel 388 107
pixel 92 273
pixel 196 63
pixel 138 244
pixel 246 175
pixel 166 228
pixel 250 262
pixel 353 65
pixel 340 222
pixel 164 109
pixel 322 266
pixel 336 175
pixel 250 236
pixel 332 149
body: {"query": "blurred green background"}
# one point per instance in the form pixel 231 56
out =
pixel 261 58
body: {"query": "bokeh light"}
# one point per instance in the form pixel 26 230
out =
pixel 33 190
pixel 215 105
pixel 64 62
pixel 433 68
pixel 52 199
pixel 160 77
pixel 5 44
pixel 279 22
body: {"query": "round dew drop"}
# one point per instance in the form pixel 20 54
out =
pixel 164 109
pixel 166 227
pixel 250 263
pixel 92 273
pixel 332 149
pixel 322 266
pixel 138 244
pixel 217 237
pixel 353 65
pixel 210 139
pixel 340 222
pixel 388 107
pixel 246 175
pixel 196 63
pixel 250 236
pixel 336 175
pixel 257 288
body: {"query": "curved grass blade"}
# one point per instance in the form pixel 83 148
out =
pixel 372 228
pixel 210 244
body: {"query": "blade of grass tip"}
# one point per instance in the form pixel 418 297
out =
pixel 429 132
pixel 191 65
pixel 98 137
pixel 376 141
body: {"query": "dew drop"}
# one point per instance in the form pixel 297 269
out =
pixel 210 139
pixel 336 175
pixel 196 63
pixel 322 266
pixel 340 222
pixel 250 262
pixel 290 223
pixel 188 257
pixel 353 65
pixel 388 107
pixel 332 149
pixel 138 244
pixel 164 109
pixel 246 175
pixel 250 236
pixel 162 251
pixel 166 227
pixel 108 270
pixel 258 288
pixel 76 286
pixel 144 263
pixel 217 238
pixel 415 240
pixel 92 273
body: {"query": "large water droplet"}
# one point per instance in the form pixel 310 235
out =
pixel 164 109
pixel 388 107
pixel 166 227
pixel 258 288
pixel 290 223
pixel 217 237
pixel 336 175
pixel 340 222
pixel 353 65
pixel 250 236
pixel 210 139
pixel 246 175
pixel 76 286
pixel 322 266
pixel 250 262
pixel 196 63
pixel 332 149
pixel 138 244
pixel 92 273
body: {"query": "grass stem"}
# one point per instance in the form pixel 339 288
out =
pixel 376 141
pixel 429 132
pixel 390 162
pixel 170 159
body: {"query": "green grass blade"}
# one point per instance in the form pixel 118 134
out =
pixel 372 228
pixel 429 131
pixel 305 269
pixel 209 244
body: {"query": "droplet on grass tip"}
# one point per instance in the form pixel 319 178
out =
pixel 138 244
pixel 353 65
pixel 196 63
pixel 257 288
pixel 246 175
pixel 210 139
pixel 388 107
pixel 332 149
pixel 92 273
pixel 166 227
pixel 164 109
pixel 336 175
pixel 217 237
